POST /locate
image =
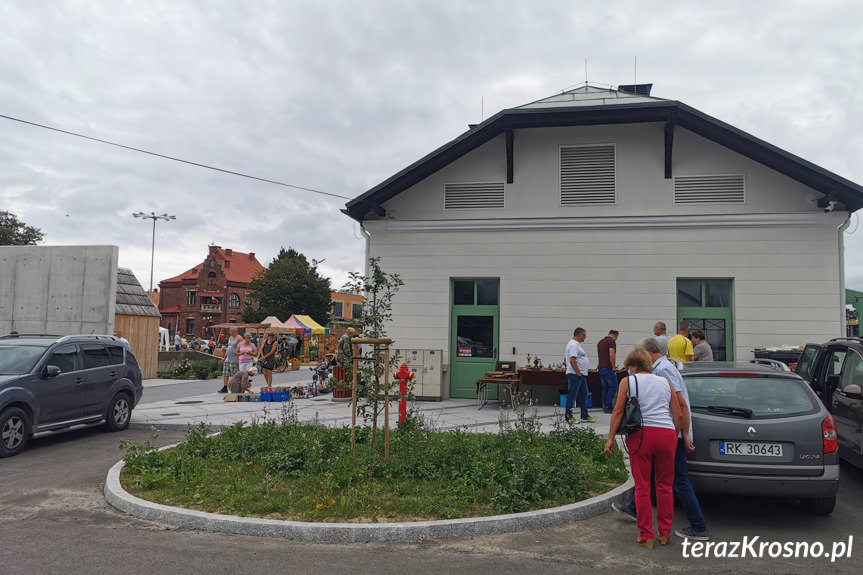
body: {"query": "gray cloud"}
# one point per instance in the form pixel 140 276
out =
pixel 338 96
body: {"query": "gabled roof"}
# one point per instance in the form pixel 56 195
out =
pixel 591 105
pixel 132 299
pixel 242 267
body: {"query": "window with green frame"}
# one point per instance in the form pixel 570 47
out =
pixel 475 292
pixel 703 293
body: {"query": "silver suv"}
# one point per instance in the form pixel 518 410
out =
pixel 53 383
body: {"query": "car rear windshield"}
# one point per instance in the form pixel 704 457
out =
pixel 19 359
pixel 764 396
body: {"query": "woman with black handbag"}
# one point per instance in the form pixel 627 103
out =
pixel 648 413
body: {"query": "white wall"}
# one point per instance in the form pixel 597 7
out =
pixel 641 185
pixel 58 289
pixel 785 282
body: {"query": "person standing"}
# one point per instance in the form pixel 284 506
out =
pixel 177 341
pixel 268 358
pixel 702 350
pixel 606 350
pixel 246 352
pixel 652 446
pixel 679 346
pixel 661 336
pixel 681 486
pixel 344 349
pixel 577 365
pixel 231 365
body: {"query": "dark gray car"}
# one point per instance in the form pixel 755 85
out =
pixel 760 430
pixel 53 383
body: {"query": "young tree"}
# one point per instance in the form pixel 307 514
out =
pixel 378 290
pixel 291 284
pixel 14 232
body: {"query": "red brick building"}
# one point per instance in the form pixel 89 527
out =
pixel 215 291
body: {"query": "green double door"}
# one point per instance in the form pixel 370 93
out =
pixel 474 325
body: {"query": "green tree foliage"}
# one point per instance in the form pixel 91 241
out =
pixel 14 232
pixel 290 285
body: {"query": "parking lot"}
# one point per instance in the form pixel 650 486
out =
pixel 58 522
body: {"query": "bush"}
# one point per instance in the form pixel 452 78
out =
pixel 184 369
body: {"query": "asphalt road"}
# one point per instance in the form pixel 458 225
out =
pixel 53 519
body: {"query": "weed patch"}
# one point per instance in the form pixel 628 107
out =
pixel 304 471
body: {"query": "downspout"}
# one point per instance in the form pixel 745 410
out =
pixel 368 248
pixel 842 229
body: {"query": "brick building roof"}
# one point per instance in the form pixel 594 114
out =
pixel 239 267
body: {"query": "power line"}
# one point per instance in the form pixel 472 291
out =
pixel 173 158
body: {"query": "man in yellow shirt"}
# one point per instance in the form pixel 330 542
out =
pixel 679 346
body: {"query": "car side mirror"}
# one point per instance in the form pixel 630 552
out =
pixel 50 371
pixel 853 390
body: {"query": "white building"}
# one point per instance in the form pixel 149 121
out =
pixel 607 209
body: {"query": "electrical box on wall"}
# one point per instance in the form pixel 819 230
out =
pixel 427 367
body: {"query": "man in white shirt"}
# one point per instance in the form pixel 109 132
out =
pixel 577 365
pixel 660 334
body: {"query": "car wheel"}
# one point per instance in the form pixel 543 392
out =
pixel 819 505
pixel 119 413
pixel 14 431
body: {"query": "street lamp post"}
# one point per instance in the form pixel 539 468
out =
pixel 154 217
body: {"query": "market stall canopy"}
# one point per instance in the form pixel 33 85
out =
pixel 307 324
pixel 273 325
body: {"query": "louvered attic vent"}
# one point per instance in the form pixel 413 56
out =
pixel 719 189
pixel 474 196
pixel 587 175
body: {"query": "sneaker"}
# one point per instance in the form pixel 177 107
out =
pixel 624 510
pixel 690 533
pixel 589 419
pixel 224 389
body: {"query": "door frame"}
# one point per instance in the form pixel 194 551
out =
pixel 472 310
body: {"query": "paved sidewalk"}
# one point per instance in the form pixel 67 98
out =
pixel 448 414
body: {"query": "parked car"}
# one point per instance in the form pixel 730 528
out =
pixel 54 383
pixel 760 430
pixel 834 370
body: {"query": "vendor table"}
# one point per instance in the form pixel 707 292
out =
pixel 482 388
pixel 557 377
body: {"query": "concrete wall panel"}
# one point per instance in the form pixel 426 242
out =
pixel 58 289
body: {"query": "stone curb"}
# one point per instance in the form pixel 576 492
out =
pixel 119 498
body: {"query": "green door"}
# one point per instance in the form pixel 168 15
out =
pixel 474 328
pixel 707 305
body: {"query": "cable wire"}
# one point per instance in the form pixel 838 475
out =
pixel 173 158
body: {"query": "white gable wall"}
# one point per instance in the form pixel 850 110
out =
pixel 641 186
pixel 611 267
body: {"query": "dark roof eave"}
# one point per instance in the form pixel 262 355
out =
pixel 724 134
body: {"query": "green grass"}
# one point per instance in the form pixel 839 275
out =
pixel 305 472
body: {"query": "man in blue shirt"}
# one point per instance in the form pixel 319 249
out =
pixel 697 529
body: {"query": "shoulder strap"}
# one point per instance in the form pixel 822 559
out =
pixel 636 384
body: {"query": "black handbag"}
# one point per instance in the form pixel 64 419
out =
pixel 632 420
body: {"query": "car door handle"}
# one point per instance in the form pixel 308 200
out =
pixel 79 380
pixel 113 373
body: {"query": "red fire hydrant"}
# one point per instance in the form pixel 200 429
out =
pixel 404 375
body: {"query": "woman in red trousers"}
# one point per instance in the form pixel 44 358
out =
pixel 651 447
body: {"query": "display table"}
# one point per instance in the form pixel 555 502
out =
pixel 557 378
pixel 483 383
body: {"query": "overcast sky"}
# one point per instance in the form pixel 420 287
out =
pixel 339 95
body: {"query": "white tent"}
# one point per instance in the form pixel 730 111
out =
pixel 164 343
